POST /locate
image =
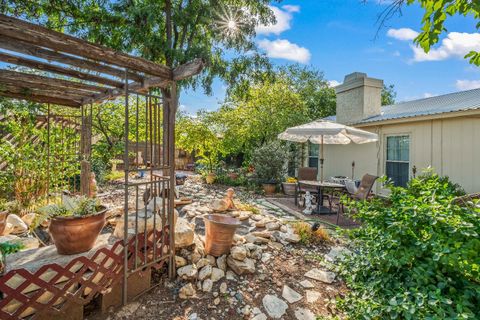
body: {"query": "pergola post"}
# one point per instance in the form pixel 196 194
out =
pixel 85 151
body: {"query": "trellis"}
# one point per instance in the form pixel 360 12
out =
pixel 78 74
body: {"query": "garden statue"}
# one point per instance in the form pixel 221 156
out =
pixel 308 203
pixel 225 203
pixel 92 189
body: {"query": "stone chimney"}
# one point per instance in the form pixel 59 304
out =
pixel 358 97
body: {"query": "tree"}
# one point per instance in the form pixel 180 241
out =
pixel 165 31
pixel 434 18
pixel 197 134
pixel 388 95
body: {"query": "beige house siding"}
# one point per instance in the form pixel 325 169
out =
pixel 450 145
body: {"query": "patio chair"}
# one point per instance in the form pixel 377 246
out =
pixel 361 194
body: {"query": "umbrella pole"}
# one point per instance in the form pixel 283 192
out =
pixel 321 161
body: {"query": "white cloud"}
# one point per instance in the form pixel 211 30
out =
pixel 467 84
pixel 456 44
pixel 282 17
pixel 333 83
pixel 429 95
pixel 291 8
pixel 284 49
pixel 402 34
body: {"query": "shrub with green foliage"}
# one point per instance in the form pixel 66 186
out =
pixel 417 255
pixel 270 162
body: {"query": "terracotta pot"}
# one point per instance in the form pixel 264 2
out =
pixel 3 221
pixel 73 235
pixel 269 188
pixel 210 178
pixel 289 188
pixel 219 231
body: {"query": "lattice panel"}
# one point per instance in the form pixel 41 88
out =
pixel 26 294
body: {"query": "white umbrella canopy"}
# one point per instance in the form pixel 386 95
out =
pixel 327 132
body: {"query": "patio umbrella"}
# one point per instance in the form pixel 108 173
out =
pixel 327 132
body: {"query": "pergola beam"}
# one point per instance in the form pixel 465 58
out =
pixel 40 98
pixel 188 69
pixel 30 90
pixel 14 76
pixel 41 36
pixel 36 51
pixel 5 57
pixel 44 86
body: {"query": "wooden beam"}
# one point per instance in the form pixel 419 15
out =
pixel 56 69
pixel 188 69
pixel 44 86
pixel 29 90
pixel 40 98
pixel 36 51
pixel 14 76
pixel 41 36
pixel 153 82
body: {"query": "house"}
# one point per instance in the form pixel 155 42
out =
pixel 442 132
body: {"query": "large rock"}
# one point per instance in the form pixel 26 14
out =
pixel 14 225
pixel 184 233
pixel 241 267
pixel 189 272
pixel 28 218
pixel 186 291
pixel 151 219
pixel 291 237
pixel 207 285
pixel 304 314
pixel 274 306
pixel 321 275
pixel 238 253
pixel 222 262
pixel 291 295
pixel 272 226
pixel 217 274
pixel 180 261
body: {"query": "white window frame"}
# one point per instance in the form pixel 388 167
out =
pixel 385 152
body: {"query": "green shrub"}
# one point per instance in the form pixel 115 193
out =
pixel 270 162
pixel 417 255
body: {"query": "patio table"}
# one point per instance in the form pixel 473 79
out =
pixel 320 185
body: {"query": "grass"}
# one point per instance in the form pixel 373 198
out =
pixel 308 236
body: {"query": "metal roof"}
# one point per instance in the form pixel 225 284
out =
pixel 452 102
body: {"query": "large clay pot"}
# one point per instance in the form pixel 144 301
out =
pixel 73 235
pixel 289 188
pixel 210 178
pixel 219 232
pixel 3 221
pixel 269 188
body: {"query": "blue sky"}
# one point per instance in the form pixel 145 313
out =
pixel 338 37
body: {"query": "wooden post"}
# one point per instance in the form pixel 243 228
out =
pixel 85 152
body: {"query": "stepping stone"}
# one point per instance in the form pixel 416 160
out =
pixel 337 253
pixel 291 295
pixel 304 314
pixel 321 275
pixel 307 284
pixel 313 296
pixel 274 306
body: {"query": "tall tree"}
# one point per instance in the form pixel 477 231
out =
pixel 164 31
pixel 388 95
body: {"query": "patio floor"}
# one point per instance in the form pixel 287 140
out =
pixel 343 221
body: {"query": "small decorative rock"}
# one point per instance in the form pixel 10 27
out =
pixel 321 275
pixel 217 274
pixel 291 237
pixel 274 306
pixel 272 226
pixel 207 285
pixel 291 295
pixel 337 253
pixel 241 267
pixel 186 291
pixel 312 296
pixel 216 301
pixel 202 263
pixel 239 253
pixel 180 261
pixel 205 272
pixel 222 262
pixel 223 287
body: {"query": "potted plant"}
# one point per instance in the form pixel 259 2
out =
pixel 7 248
pixel 270 165
pixel 74 225
pixel 289 186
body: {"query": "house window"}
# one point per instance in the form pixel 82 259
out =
pixel 398 159
pixel 313 155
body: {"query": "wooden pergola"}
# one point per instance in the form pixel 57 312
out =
pixel 75 73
